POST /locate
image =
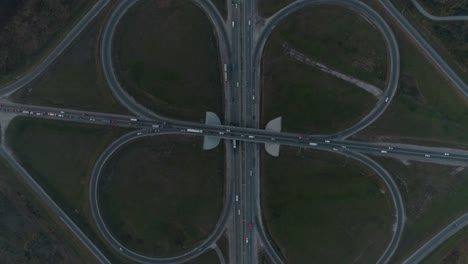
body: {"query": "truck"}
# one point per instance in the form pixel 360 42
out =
pixel 194 130
pixel 155 126
pixel 234 143
pixel 25 112
pixel 312 144
pixel 133 119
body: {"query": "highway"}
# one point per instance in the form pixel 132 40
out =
pixel 244 68
pixel 241 134
pixel 23 80
pixel 241 42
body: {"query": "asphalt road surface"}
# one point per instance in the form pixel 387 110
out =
pixel 236 49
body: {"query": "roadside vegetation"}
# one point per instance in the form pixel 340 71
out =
pixel 322 208
pixel 60 156
pixel 434 196
pixel 221 5
pixel 303 95
pixel 167 58
pixel 448 38
pixel 29 233
pixel 161 196
pixel 75 80
pixel 445 8
pixel 267 8
pixel 427 109
pixel 29 29
pixel 452 251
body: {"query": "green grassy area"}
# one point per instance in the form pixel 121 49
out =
pixel 434 195
pixel 447 38
pixel 20 51
pixel 426 107
pixel 338 38
pixel 322 208
pixel 267 8
pixel 209 257
pixel 75 79
pixel 162 196
pixel 222 7
pixel 29 233
pixel 304 96
pixel 173 68
pixel 60 156
pixel 451 251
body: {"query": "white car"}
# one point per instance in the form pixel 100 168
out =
pixel 427 155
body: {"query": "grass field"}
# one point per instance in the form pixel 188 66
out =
pixel 434 195
pixel 267 8
pixel 161 196
pixel 60 156
pixel 173 68
pixel 209 257
pixel 339 38
pixel 46 22
pixel 426 108
pixel 75 79
pixel 321 208
pixel 452 251
pixel 29 234
pixel 305 97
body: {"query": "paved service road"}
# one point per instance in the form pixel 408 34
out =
pixel 72 34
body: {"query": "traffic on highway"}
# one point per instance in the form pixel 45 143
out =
pixel 241 38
